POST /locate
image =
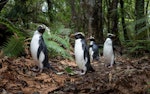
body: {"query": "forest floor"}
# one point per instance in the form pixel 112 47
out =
pixel 128 76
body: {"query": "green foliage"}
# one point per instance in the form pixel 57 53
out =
pixel 69 70
pixel 14 46
pixel 57 45
pixel 10 26
pixel 60 40
pixel 138 43
pixel 138 47
pixel 141 33
pixel 27 14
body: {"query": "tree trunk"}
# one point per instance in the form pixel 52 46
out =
pixel 73 12
pixel 139 14
pixel 98 22
pixel 114 13
pixel 147 23
pixel 123 20
pixel 113 19
pixel 108 15
pixel 49 2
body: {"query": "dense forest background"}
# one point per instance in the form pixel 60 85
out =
pixel 129 20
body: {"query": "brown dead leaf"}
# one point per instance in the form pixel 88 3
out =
pixel 110 77
pixel 3 69
pixel 28 90
pixel 15 76
pixel 68 63
pixel 1 53
pixel 49 89
pixel 30 63
pixel 44 77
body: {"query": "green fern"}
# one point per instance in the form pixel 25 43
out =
pixel 141 33
pixel 63 41
pixel 138 47
pixel 58 44
pixel 56 49
pixel 14 46
pixel 10 26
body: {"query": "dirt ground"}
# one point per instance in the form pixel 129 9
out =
pixel 128 76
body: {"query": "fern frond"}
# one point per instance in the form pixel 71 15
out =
pixel 138 46
pixel 62 41
pixel 57 42
pixel 54 46
pixel 14 46
pixel 143 29
pixel 10 26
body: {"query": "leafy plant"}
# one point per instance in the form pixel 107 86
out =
pixel 10 26
pixel 138 47
pixel 69 70
pixel 58 45
pixel 14 44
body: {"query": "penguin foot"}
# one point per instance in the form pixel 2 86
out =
pixel 82 72
pixel 110 66
pixel 35 69
pixel 79 72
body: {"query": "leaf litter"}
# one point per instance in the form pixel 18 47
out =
pixel 128 76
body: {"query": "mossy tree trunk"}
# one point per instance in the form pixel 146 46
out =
pixel 112 17
pixel 139 14
pixel 123 20
pixel 50 14
pixel 98 21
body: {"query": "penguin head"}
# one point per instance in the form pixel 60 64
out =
pixel 79 35
pixel 91 38
pixel 109 35
pixel 41 29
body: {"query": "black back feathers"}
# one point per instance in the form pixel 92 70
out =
pixel 94 47
pixel 43 48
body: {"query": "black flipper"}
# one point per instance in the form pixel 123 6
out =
pixel 43 48
pixel 96 51
pixel 86 55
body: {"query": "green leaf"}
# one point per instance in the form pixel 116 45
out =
pixel 69 70
pixel 14 46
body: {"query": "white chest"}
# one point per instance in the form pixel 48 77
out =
pixel 108 46
pixel 34 46
pixel 79 53
pixel 108 50
pixel 91 51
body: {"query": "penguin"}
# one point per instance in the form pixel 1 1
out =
pixel 93 49
pixel 108 52
pixel 81 52
pixel 39 50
